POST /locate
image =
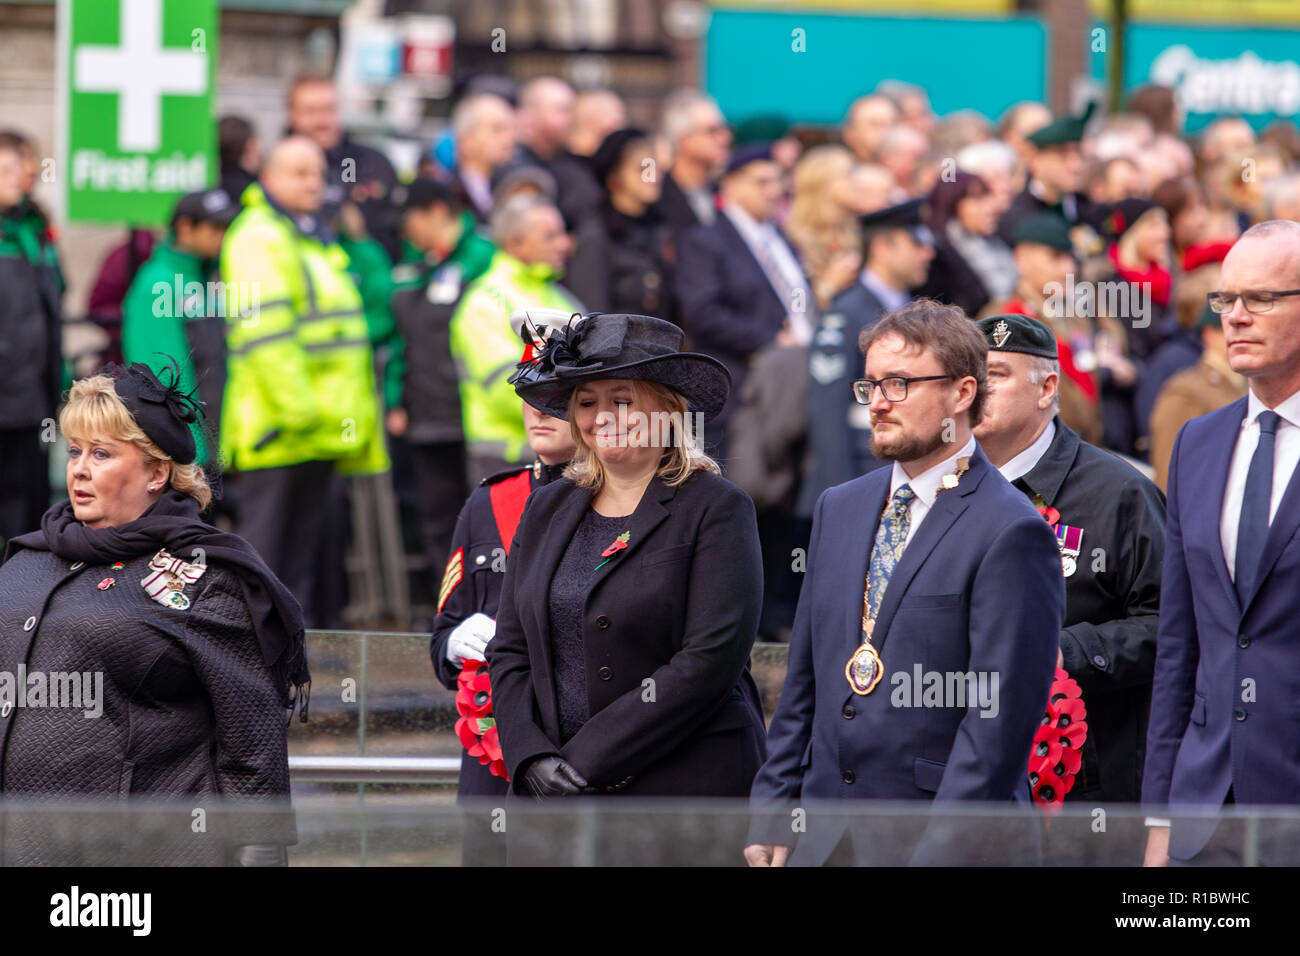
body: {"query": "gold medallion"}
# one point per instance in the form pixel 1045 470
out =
pixel 864 669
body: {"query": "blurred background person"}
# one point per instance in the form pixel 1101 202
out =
pixel 701 141
pixel 426 419
pixel 621 262
pixel 865 124
pixel 1109 181
pixel 354 173
pixel 823 220
pixel 545 118
pixel 1206 386
pixel 31 357
pixel 994 162
pixel 1055 166
pixel 972 266
pixel 739 281
pixel 524 273
pixel 483 125
pixel 170 309
pixel 901 151
pixel 240 153
pixel 1139 252
pixel 596 113
pixel 1014 128
pixel 301 407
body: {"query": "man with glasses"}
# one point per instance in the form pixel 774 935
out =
pixel 927 629
pixel 1225 706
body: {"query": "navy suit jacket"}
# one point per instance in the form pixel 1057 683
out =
pixel 1225 705
pixel 979 589
pixel 728 307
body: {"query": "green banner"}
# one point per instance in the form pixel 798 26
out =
pixel 136 86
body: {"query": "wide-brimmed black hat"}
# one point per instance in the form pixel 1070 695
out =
pixel 606 345
pixel 162 411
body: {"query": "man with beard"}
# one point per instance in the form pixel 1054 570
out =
pixel 927 629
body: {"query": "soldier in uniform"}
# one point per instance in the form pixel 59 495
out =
pixel 1109 521
pixel 1055 180
pixel 471 590
pixel 897 249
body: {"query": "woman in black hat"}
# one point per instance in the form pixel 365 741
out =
pixel 621 260
pixel 186 649
pixel 632 593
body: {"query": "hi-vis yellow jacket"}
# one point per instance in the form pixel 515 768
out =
pixel 301 381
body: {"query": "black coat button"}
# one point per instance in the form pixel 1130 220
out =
pixel 848 712
pixel 605 673
pixel 1243 640
pixel 848 776
pixel 1239 713
pixel 1099 661
pixel 602 622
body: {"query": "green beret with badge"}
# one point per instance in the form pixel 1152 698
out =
pixel 1063 130
pixel 1018 333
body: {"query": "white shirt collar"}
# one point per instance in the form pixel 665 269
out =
pixel 889 297
pixel 750 228
pixel 1288 409
pixel 926 485
pixel 1027 460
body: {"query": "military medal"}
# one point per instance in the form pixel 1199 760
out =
pixel 1070 541
pixel 167 579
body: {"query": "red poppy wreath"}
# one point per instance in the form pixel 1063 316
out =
pixel 476 727
pixel 1057 753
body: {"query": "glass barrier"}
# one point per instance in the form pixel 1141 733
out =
pixel 406 826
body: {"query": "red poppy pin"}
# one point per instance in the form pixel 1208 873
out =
pixel 105 584
pixel 1047 511
pixel 117 566
pixel 615 546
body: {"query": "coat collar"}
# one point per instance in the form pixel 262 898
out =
pixel 1046 477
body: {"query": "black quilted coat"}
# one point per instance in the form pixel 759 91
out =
pixel 189 711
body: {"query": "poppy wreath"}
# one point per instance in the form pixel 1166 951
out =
pixel 476 727
pixel 1057 753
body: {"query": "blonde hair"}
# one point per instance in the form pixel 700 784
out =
pixel 94 409
pixel 684 456
pixel 818 225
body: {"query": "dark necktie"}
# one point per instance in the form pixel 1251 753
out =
pixel 1252 528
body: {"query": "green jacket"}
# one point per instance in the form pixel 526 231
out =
pixel 169 290
pixel 487 349
pixel 473 253
pixel 301 383
pixel 371 270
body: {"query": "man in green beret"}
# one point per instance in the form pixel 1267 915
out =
pixel 1055 181
pixel 1109 521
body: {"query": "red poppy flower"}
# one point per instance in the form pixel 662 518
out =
pixel 618 544
pixel 474 690
pixel 1057 753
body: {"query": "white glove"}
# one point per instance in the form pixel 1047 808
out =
pixel 469 640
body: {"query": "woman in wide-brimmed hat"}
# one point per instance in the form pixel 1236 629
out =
pixel 633 588
pixel 186 649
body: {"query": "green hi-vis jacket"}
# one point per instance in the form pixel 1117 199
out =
pixel 156 307
pixel 301 383
pixel 486 349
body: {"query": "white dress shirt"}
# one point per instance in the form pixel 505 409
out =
pixel 1286 455
pixel 889 297
pixel 771 252
pixel 925 486
pixel 1028 459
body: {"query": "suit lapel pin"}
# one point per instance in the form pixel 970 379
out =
pixel 105 584
pixel 951 480
pixel 615 546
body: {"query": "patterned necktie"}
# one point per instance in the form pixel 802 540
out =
pixel 1252 526
pixel 891 537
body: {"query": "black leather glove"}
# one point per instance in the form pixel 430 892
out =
pixel 552 776
pixel 262 855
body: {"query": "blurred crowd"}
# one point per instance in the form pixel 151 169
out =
pixel 339 320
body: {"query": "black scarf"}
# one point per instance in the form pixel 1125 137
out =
pixel 172 522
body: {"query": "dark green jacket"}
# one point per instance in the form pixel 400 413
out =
pixel 31 322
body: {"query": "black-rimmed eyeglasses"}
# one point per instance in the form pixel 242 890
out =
pixel 894 388
pixel 1221 302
